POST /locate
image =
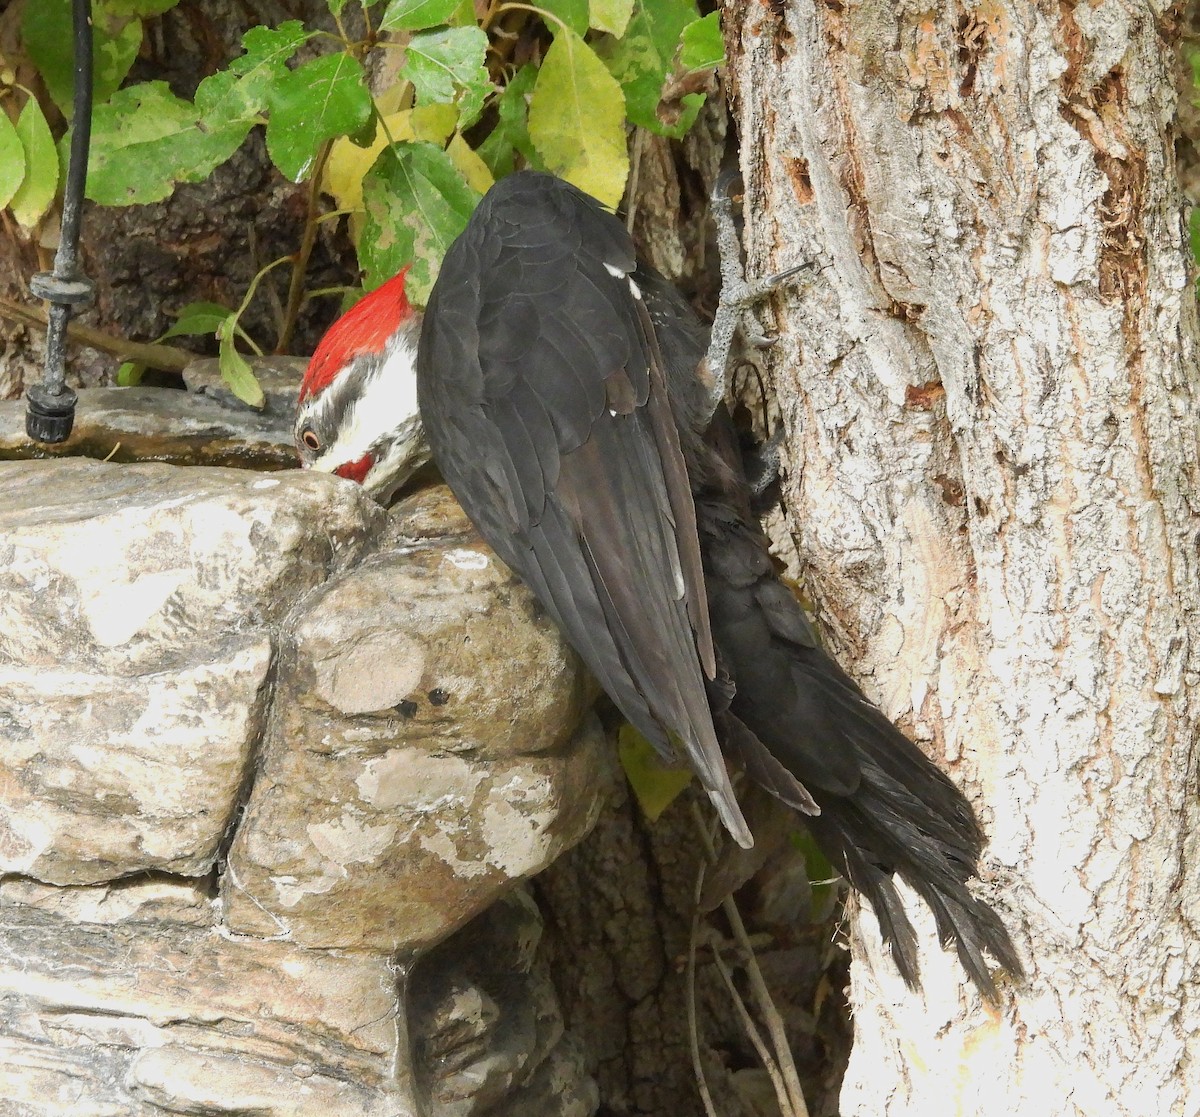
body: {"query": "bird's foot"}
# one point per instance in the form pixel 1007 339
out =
pixel 762 463
pixel 736 313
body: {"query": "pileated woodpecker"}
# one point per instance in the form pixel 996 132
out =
pixel 566 400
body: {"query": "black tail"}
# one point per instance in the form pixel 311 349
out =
pixel 885 808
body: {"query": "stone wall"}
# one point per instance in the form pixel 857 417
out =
pixel 261 744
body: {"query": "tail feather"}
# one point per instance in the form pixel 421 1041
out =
pixel 869 845
pixel 886 809
pixel 761 766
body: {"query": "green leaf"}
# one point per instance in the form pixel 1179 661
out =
pixel 46 32
pixel 115 52
pixel 198 318
pixel 416 203
pixel 416 15
pixel 146 139
pixel 463 14
pixel 644 59
pixel 12 160
pixel 35 195
pixel 574 13
pixel 236 371
pixel 703 45
pixel 577 119
pixel 322 99
pixel 511 133
pixel 824 880
pixel 46 35
pixel 268 48
pixel 655 785
pixel 611 15
pixel 447 67
pixel 239 93
pixel 129 374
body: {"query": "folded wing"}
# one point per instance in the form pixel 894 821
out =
pixel 543 393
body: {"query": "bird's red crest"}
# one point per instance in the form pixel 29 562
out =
pixel 364 328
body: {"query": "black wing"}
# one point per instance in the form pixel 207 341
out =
pixel 542 390
pixel 799 725
pixel 884 807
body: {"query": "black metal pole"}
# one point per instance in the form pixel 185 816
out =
pixel 50 410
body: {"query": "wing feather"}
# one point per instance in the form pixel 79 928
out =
pixel 543 393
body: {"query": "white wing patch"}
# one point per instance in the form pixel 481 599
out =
pixel 621 273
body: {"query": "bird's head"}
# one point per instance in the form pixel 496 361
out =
pixel 357 414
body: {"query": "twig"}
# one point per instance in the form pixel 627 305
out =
pixel 758 986
pixel 690 996
pixel 547 17
pixel 770 1014
pixel 308 239
pixel 751 1029
pixel 635 171
pixel 168 358
pixel 236 317
pixel 277 312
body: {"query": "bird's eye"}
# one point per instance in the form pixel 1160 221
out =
pixel 309 437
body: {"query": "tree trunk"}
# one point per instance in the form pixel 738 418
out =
pixel 992 476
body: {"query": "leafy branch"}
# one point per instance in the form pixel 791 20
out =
pixel 407 163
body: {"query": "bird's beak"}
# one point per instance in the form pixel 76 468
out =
pixel 397 461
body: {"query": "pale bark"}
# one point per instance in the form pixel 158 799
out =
pixel 992 479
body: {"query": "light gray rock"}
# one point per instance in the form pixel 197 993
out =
pixel 425 751
pixel 374 713
pixel 137 606
pixel 109 1004
pixel 204 1084
pixel 278 377
pixel 109 1018
pixel 490 1030
pixel 131 568
pixel 158 424
pixel 106 775
pixel 147 900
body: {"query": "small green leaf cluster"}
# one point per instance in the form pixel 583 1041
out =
pixel 31 166
pixel 478 91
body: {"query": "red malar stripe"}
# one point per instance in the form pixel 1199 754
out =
pixel 356 470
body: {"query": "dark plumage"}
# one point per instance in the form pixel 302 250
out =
pixel 566 408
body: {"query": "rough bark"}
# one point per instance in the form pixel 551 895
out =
pixel 618 910
pixel 992 477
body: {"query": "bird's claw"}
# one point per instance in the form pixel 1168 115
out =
pixel 738 297
pixel 763 463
